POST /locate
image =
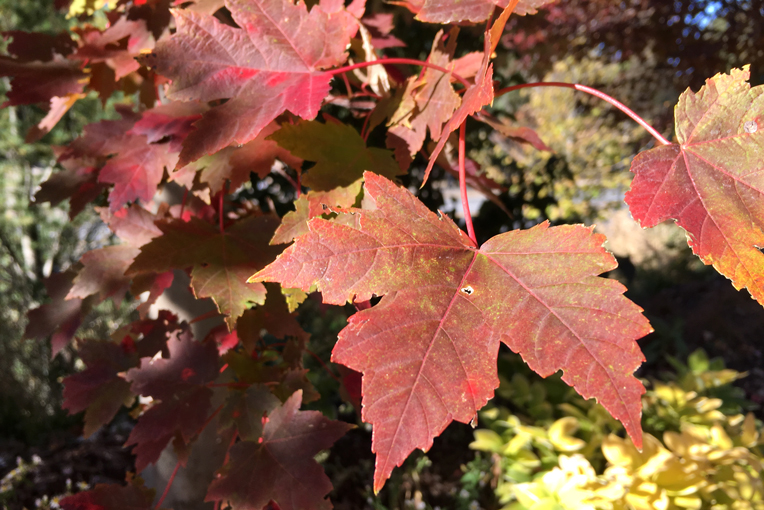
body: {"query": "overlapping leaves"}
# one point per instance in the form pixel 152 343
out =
pixel 221 261
pixel 270 65
pixel 427 350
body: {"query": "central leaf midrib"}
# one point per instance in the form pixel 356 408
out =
pixel 426 355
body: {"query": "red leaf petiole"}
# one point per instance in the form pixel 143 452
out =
pixel 463 183
pixel 596 93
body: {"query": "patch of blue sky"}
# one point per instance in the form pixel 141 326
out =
pixel 704 18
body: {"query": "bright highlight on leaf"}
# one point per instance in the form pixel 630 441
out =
pixel 712 181
pixel 428 349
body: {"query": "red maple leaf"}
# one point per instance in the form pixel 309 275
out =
pixel 170 122
pixel 281 467
pixel 520 134
pixel 137 171
pixel 103 270
pixel 221 261
pixel 712 181
pixel 134 224
pixel 141 155
pixel 246 409
pixel 312 204
pixel 31 46
pixel 154 284
pixel 103 273
pixel 150 335
pixel 474 176
pixel 179 384
pixel 116 46
pixel 275 318
pixel 57 108
pixel 39 82
pixel 97 138
pixel 138 147
pixel 77 182
pixel 428 349
pixel 380 25
pixel 270 65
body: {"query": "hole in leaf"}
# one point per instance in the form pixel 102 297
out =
pixel 751 126
pixel 467 290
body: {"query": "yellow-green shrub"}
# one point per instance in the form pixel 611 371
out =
pixel 709 457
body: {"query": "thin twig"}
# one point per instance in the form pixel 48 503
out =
pixel 183 203
pixel 169 484
pixel 220 211
pixel 364 134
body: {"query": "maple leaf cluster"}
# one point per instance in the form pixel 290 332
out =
pixel 225 90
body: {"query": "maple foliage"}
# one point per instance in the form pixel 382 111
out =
pixel 61 317
pixel 99 390
pixel 427 102
pixel 220 99
pixel 476 96
pixel 340 154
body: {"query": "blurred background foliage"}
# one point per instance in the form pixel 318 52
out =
pixel 642 52
pixel 545 447
pixel 35 241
